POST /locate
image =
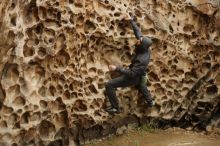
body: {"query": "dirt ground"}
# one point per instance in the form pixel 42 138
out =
pixel 169 137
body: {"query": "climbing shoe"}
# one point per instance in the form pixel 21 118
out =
pixel 151 104
pixel 112 110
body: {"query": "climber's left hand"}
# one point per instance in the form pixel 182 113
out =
pixel 112 67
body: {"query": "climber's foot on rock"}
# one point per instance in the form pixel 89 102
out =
pixel 150 104
pixel 112 110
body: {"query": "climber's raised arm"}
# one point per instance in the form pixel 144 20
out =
pixel 145 42
pixel 136 29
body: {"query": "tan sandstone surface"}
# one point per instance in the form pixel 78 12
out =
pixel 54 56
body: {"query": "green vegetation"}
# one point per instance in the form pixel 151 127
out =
pixel 110 140
pixel 92 144
pixel 149 127
pixel 137 143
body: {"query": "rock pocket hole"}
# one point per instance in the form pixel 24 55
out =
pixel 3 124
pixel 19 101
pixel 188 28
pixel 171 29
pixel 52 90
pixel 42 52
pixel 89 26
pixel 12 7
pixel 99 19
pixel 42 91
pixel 25 118
pixel 46 128
pixel 93 89
pixel 62 59
pixel 112 8
pixel 71 1
pixel 153 77
pixel 117 14
pixel 43 104
pixel 28 51
pixel 7 110
pixel 122 33
pixel 13 20
pixel 80 106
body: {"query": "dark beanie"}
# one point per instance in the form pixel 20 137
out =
pixel 146 43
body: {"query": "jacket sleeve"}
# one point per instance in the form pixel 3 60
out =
pixel 136 29
pixel 136 70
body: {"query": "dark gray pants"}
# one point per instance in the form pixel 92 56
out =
pixel 124 81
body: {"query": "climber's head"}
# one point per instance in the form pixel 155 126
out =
pixel 143 44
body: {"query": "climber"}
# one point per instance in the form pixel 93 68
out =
pixel 135 74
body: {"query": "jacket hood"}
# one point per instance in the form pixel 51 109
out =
pixel 145 44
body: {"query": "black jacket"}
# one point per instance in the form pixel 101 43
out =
pixel 141 58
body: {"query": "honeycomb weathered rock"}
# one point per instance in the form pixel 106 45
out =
pixel 54 56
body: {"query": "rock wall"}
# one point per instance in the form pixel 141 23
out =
pixel 54 56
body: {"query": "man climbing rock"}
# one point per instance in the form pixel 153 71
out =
pixel 134 75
